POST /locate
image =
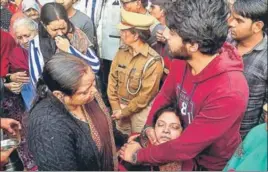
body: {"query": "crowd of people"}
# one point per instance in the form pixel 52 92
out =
pixel 143 85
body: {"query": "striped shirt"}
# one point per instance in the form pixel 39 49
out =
pixel 36 60
pixel 93 9
pixel 255 70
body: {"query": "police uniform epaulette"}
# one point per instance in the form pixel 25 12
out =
pixel 152 52
pixel 157 57
pixel 153 62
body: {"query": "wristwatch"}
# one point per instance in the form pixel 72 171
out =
pixel 7 79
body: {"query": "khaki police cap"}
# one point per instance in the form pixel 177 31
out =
pixel 135 20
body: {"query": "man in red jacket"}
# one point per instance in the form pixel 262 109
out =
pixel 208 84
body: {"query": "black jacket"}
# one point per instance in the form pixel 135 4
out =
pixel 59 141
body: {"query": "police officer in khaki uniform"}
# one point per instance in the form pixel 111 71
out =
pixel 135 74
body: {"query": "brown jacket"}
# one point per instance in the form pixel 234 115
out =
pixel 127 67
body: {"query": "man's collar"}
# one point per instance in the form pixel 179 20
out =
pixel 261 45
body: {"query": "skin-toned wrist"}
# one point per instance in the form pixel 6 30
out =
pixel 135 158
pixel 12 77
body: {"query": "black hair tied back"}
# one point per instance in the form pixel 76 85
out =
pixel 42 89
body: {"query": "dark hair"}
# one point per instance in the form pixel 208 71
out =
pixel 256 10
pixel 144 35
pixel 200 21
pixel 54 76
pixel 51 12
pixel 144 3
pixel 164 5
pixel 168 108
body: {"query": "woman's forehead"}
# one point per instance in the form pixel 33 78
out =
pixel 169 117
pixel 87 79
pixel 57 23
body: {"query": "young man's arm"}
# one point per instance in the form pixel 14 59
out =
pixel 216 118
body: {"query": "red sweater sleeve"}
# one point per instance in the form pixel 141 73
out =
pixel 218 115
pixel 7 45
pixel 164 97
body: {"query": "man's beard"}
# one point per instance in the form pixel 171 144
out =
pixel 180 57
pixel 179 54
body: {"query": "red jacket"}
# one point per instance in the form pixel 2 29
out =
pixel 7 45
pixel 212 105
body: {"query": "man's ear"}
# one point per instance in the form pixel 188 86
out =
pixel 257 26
pixel 136 37
pixel 192 47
